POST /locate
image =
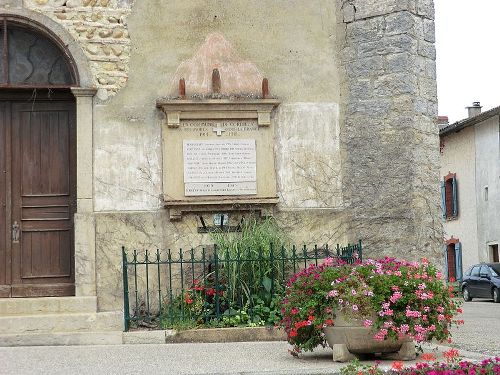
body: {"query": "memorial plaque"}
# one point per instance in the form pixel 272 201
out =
pixel 220 167
pixel 210 158
pixel 210 128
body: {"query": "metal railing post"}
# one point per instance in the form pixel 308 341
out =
pixel 126 302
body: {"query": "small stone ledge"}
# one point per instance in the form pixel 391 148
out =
pixel 144 337
pixel 208 335
pixel 211 335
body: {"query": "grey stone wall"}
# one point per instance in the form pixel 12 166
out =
pixel 389 137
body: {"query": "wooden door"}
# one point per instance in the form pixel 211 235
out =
pixel 42 181
pixel 5 258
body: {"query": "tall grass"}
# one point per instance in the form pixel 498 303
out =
pixel 245 257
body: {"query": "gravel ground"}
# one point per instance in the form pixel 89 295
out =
pixel 481 331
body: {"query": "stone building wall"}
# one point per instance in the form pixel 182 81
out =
pixel 389 134
pixel 356 145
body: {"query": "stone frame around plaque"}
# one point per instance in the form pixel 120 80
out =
pixel 211 121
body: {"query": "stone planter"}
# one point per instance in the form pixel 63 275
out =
pixel 349 338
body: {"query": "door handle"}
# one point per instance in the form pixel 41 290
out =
pixel 16 231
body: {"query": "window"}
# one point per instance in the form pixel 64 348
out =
pixel 453 260
pixel 449 198
pixel 484 271
pixel 494 253
pixel 468 272
pixel 495 270
pixel 31 59
pixel 475 271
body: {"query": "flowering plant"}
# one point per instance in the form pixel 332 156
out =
pixel 394 298
pixel 451 366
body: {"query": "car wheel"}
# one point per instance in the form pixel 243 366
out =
pixel 466 294
pixel 496 295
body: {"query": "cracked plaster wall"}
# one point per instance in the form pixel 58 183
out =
pixel 356 142
pixel 293 46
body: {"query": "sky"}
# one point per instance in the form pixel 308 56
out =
pixel 468 55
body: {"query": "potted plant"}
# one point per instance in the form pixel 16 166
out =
pixel 376 306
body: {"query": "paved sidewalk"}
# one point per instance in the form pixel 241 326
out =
pixel 480 334
pixel 269 358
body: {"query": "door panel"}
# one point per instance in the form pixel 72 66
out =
pixel 43 198
pixel 483 283
pixel 5 259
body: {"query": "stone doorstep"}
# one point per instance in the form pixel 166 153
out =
pixel 206 335
pixel 69 322
pixel 47 305
pixel 62 338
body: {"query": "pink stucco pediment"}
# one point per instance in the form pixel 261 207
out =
pixel 238 77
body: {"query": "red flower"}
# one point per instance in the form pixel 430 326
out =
pixel 428 357
pixel 397 365
pixel 188 299
pixel 451 355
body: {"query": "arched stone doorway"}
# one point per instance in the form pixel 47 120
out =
pixel 43 112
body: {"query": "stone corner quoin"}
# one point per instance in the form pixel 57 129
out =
pixel 388 108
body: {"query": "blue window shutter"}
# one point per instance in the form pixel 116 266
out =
pixel 445 251
pixel 458 261
pixel 455 196
pixel 443 199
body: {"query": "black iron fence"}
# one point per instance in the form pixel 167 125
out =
pixel 212 287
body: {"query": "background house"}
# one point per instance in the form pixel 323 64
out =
pixel 470 189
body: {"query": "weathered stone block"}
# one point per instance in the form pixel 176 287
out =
pixel 366 30
pixel 388 45
pixel 371 66
pixel 373 107
pixel 395 84
pixel 429 31
pixel 427 50
pixel 373 8
pixel 428 88
pixel 425 8
pixel 361 90
pixel 348 11
pixel 401 63
pixel 400 23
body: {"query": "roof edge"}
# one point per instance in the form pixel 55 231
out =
pixel 459 125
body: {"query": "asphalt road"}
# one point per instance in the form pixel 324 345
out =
pixel 481 331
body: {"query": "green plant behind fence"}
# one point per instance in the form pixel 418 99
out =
pixel 256 244
pixel 230 287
